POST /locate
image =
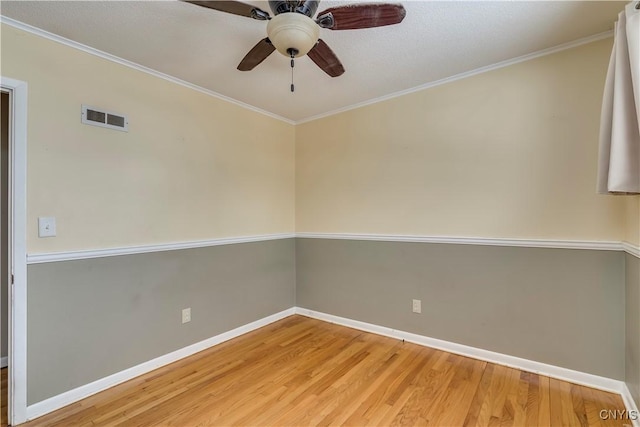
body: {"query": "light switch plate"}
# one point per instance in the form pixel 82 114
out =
pixel 47 226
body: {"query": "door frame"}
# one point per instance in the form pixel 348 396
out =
pixel 17 378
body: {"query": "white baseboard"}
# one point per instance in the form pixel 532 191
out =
pixel 602 383
pixel 576 377
pixel 631 406
pixel 4 362
pixel 56 402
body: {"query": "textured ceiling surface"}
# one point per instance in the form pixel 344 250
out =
pixel 437 39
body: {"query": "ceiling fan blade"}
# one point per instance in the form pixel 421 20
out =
pixel 234 7
pixel 256 55
pixel 324 58
pixel 355 16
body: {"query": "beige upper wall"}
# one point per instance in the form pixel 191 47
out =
pixel 632 230
pixel 191 167
pixel 507 153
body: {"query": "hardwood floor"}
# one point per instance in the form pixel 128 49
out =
pixel 3 397
pixel 301 371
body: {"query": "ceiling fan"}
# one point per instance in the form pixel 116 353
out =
pixel 293 32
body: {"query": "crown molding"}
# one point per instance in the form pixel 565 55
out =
pixel 464 75
pixel 92 51
pixel 113 58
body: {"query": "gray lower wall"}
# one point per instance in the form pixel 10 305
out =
pixel 88 319
pixel 91 318
pixel 632 330
pixel 556 306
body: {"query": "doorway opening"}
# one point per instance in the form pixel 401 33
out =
pixel 5 114
pixel 13 257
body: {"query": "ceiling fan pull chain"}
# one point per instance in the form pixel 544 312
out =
pixel 292 53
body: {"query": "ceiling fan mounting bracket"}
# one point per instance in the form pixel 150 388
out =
pixel 260 15
pixel 307 8
pixel 326 20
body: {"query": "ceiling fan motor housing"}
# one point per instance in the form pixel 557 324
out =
pixel 306 7
pixel 293 32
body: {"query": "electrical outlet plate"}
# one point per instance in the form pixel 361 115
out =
pixel 417 306
pixel 186 315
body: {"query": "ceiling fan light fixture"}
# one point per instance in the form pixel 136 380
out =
pixel 293 32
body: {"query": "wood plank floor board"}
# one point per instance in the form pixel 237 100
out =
pixel 350 388
pixel 301 371
pixel 334 396
pixel 374 393
pixel 477 403
pixel 592 410
pixel 457 399
pixel 531 403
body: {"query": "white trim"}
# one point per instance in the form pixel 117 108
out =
pixel 630 404
pixel 526 243
pixel 631 249
pixel 576 377
pixel 17 381
pixel 4 361
pixel 56 402
pixel 132 250
pixel 39 258
pixel 109 57
pixel 87 49
pixel 464 75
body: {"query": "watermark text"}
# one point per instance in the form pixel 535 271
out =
pixel 619 414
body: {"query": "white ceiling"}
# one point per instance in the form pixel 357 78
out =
pixel 437 39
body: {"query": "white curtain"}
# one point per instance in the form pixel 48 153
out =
pixel 619 157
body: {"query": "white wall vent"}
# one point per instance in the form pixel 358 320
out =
pixel 106 119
